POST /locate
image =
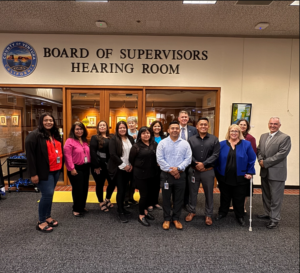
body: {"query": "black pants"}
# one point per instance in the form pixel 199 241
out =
pixel 147 191
pixel 130 189
pixel 100 180
pixel 80 186
pixel 187 191
pixel 176 191
pixel 235 193
pixel 156 189
pixel 121 180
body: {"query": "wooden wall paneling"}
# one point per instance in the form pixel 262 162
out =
pixel 65 114
pixel 217 113
pixel 144 106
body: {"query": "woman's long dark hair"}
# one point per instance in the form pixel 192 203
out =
pixel 100 138
pixel 72 131
pixel 53 131
pixel 142 130
pixel 248 126
pixel 119 144
pixel 161 133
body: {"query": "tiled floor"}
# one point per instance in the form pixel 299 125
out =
pixel 216 190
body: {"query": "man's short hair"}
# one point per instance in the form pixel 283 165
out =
pixel 203 118
pixel 183 112
pixel 275 118
pixel 174 122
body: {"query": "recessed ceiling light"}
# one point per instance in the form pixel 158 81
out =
pixel 261 26
pixel 295 3
pixel 199 2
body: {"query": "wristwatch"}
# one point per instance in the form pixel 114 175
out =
pixel 179 169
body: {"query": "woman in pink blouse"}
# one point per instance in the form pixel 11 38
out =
pixel 77 160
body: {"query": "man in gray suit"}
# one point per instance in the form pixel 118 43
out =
pixel 272 153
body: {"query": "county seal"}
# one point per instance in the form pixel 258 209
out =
pixel 19 59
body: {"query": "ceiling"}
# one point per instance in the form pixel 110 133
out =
pixel 168 18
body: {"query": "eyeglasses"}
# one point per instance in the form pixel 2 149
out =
pixel 78 129
pixel 235 132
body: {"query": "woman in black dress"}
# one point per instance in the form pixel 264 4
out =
pixel 143 159
pixel 99 149
pixel 118 166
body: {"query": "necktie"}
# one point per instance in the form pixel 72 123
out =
pixel 183 133
pixel 268 140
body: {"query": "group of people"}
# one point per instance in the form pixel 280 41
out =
pixel 147 160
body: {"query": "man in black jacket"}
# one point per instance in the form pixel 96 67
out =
pixel 205 148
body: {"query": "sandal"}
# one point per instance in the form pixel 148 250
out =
pixel 104 207
pixel 108 204
pixel 44 229
pixel 77 215
pixel 157 206
pixel 51 224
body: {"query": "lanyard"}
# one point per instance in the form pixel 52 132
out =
pixel 53 141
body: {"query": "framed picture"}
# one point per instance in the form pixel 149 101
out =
pixel 3 121
pixel 241 111
pixel 150 120
pixel 14 120
pixel 121 119
pixel 92 121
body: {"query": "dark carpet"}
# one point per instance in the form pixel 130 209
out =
pixel 100 243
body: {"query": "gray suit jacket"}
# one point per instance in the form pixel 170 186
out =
pixel 274 156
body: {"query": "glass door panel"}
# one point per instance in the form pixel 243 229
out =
pixel 124 105
pixel 86 109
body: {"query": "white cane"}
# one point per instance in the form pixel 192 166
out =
pixel 250 219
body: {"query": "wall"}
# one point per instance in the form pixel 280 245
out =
pixel 264 72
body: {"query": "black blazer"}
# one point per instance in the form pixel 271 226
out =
pixel 143 160
pixel 114 160
pixel 37 155
pixel 96 161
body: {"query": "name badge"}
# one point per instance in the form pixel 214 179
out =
pixel 166 185
pixel 193 179
pixel 58 159
pixel 85 159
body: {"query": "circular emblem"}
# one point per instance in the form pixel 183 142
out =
pixel 19 59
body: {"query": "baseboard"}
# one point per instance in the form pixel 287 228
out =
pixel 286 187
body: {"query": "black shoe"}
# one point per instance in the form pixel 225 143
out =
pixel 143 221
pixel 263 216
pixel 241 221
pixel 126 212
pixel 220 216
pixel 126 204
pixel 132 202
pixel 149 216
pixel 272 225
pixel 123 218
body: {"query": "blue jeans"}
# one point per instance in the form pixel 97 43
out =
pixel 47 189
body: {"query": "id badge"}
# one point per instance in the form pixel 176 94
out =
pixel 58 159
pixel 85 159
pixel 193 179
pixel 166 185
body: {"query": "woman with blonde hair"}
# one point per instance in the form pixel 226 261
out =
pixel 233 169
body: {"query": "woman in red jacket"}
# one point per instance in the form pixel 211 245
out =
pixel 44 161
